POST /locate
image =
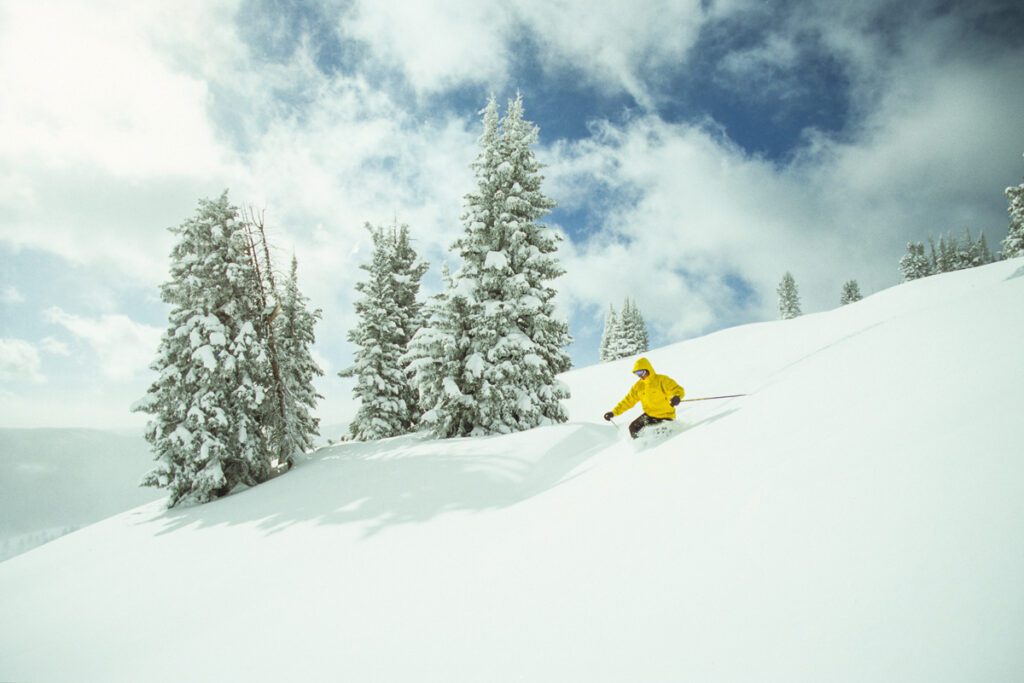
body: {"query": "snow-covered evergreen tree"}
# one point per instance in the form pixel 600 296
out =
pixel 915 264
pixel 946 255
pixel 296 336
pixel 516 342
pixel 276 414
pixel 407 271
pixel 209 402
pixel 610 336
pixel 979 254
pixel 629 336
pixel 388 317
pixel 634 330
pixel 1013 244
pixel 625 333
pixel 851 293
pixel 953 254
pixel 438 366
pixel 789 297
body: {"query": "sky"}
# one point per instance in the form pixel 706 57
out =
pixel 697 151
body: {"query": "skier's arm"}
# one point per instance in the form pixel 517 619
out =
pixel 671 388
pixel 631 398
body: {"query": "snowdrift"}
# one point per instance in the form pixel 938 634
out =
pixel 856 517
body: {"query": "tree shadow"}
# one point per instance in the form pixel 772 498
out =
pixel 405 480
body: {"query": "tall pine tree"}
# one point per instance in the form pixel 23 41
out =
pixel 437 364
pixel 389 315
pixel 789 297
pixel 298 369
pixel 209 402
pixel 515 341
pixel 407 271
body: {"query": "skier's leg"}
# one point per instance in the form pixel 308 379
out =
pixel 643 421
pixel 636 425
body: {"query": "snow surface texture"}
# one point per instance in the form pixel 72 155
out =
pixel 857 517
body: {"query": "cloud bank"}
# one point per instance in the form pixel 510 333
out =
pixel 714 147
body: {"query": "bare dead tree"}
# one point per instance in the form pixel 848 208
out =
pixel 254 219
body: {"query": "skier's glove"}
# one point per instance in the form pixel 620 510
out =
pixel 674 401
pixel 609 415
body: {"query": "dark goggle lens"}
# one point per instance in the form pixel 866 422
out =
pixel 640 373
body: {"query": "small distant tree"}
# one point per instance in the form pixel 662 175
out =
pixel 946 259
pixel 1013 245
pixel 635 329
pixel 610 336
pixel 851 293
pixel 915 264
pixel 979 254
pixel 632 335
pixel 625 334
pixel 789 297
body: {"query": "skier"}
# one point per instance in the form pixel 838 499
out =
pixel 658 395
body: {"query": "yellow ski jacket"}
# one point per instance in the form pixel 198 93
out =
pixel 654 393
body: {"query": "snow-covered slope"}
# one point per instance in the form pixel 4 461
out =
pixel 53 481
pixel 857 517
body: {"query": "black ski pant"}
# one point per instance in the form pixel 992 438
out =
pixel 636 425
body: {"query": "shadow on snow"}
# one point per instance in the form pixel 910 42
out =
pixel 405 480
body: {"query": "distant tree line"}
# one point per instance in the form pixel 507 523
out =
pixel 946 255
pixel 625 333
pixel 952 254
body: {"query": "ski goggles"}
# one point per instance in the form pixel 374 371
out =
pixel 641 373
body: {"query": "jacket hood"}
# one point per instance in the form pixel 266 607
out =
pixel 643 364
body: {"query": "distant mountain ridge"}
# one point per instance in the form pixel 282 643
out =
pixel 54 481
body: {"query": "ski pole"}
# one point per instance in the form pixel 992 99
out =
pixel 711 398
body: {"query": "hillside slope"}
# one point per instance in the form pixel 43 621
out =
pixel 856 517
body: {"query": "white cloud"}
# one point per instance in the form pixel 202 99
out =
pixel 613 43
pixel 54 347
pixel 19 361
pixel 441 44
pixel 117 118
pixel 124 347
pixel 9 294
pixel 694 209
pixel 438 44
pixel 104 137
pixel 83 85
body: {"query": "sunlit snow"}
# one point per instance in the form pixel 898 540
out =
pixel 856 516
